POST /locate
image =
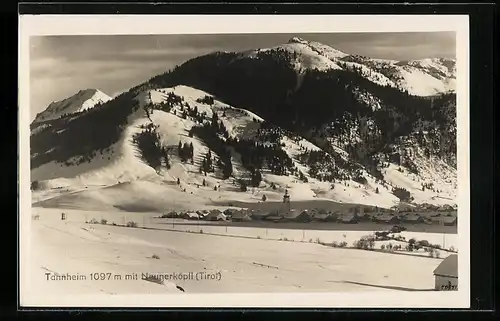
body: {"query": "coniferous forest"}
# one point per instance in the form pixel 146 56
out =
pixel 326 101
pixel 327 104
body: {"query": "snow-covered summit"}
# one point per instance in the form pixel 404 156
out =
pixel 319 48
pixel 439 67
pixel 307 55
pixel 297 40
pixel 83 100
pixel 423 77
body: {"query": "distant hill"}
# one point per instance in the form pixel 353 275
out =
pixel 81 101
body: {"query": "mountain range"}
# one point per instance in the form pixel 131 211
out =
pixel 246 126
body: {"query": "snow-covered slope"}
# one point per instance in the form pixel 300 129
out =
pixel 428 76
pixel 249 265
pixel 118 177
pixel 423 77
pixel 81 101
pixel 309 55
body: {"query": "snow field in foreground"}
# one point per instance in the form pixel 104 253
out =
pixel 245 265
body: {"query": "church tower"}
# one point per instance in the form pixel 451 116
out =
pixel 286 204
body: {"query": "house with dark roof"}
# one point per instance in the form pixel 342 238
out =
pixel 191 216
pixel 364 217
pixel 240 216
pixel 273 218
pixel 290 215
pixel 302 217
pixel 348 218
pixel 258 215
pixel 320 217
pixel 171 214
pixel 450 221
pixel 387 219
pixel 444 220
pixel 412 218
pixel 332 217
pixel 215 215
pixel 446 274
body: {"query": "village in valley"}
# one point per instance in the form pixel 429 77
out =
pixel 427 214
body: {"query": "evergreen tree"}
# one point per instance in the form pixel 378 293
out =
pixel 191 151
pixel 203 166
pixel 256 178
pixel 209 162
pixel 165 157
pixel 227 169
pixel 243 186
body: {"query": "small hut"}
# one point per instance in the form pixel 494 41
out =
pixel 446 274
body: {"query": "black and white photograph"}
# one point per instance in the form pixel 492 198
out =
pixel 206 165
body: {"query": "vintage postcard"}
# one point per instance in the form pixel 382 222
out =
pixel 244 161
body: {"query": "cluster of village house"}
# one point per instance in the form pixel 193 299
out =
pixel 305 216
pixel 284 213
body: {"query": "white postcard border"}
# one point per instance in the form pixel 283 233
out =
pixel 33 25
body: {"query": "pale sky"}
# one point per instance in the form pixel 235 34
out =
pixel 62 65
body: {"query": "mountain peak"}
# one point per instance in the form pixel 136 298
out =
pixel 297 40
pixel 83 100
pixel 89 90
